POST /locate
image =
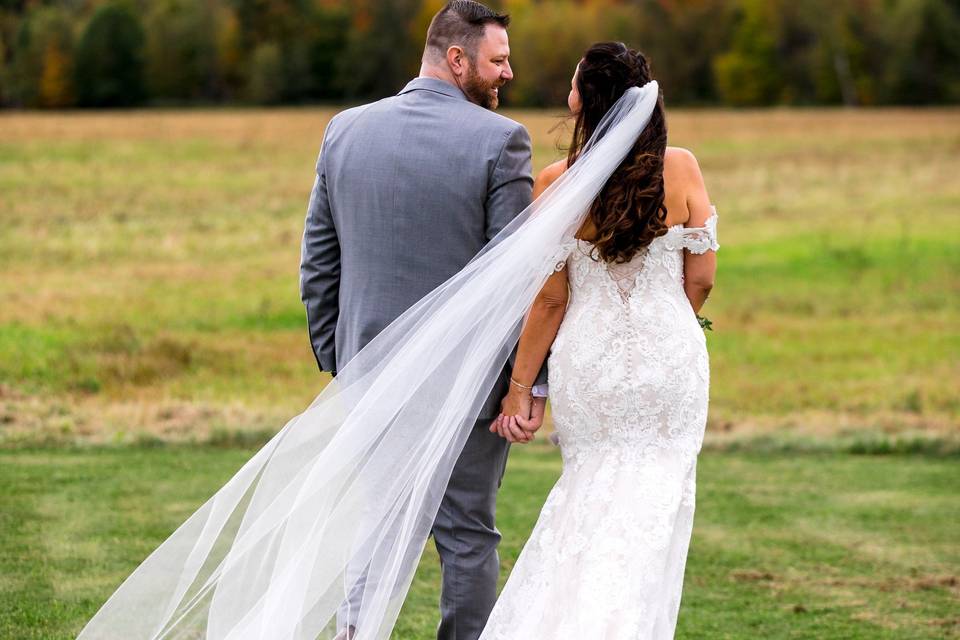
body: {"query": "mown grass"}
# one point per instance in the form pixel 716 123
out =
pixel 785 546
pixel 149 265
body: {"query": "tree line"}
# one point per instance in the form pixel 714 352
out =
pixel 125 53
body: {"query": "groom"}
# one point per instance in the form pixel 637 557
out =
pixel 408 190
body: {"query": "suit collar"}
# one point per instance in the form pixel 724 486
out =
pixel 435 85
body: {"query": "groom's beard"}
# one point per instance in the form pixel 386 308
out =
pixel 480 92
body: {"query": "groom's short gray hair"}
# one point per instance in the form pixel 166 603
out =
pixel 460 23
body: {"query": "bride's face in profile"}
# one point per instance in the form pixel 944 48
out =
pixel 573 100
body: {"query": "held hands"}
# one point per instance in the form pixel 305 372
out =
pixel 520 416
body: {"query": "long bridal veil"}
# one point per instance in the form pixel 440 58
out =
pixel 341 501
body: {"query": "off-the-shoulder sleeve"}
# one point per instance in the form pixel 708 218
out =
pixel 557 261
pixel 701 239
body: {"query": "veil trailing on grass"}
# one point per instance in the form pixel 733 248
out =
pixel 341 501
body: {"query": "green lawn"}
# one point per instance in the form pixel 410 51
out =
pixel 785 546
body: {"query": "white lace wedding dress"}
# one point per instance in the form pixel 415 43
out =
pixel 629 385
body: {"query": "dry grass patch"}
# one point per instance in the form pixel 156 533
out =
pixel 150 259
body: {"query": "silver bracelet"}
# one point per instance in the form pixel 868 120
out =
pixel 522 386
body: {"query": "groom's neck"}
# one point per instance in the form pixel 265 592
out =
pixel 437 73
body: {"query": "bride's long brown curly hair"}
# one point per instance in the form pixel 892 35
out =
pixel 629 212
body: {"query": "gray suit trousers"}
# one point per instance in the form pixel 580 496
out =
pixel 466 538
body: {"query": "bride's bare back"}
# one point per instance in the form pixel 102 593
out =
pixel 686 197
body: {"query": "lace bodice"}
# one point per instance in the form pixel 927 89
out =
pixel 628 337
pixel 666 252
pixel 629 380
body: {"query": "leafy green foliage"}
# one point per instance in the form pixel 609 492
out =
pixel 265 79
pixel 736 52
pixel 192 50
pixel 749 73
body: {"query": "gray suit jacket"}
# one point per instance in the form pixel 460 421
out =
pixel 408 190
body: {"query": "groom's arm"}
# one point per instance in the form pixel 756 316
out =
pixel 510 191
pixel 320 271
pixel 510 187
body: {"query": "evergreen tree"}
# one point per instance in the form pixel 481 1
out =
pixel 180 54
pixel 380 55
pixel 109 61
pixel 925 44
pixel 325 44
pixel 6 55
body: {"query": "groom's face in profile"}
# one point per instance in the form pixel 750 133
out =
pixel 489 68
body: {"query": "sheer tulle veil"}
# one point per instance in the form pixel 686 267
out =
pixel 342 499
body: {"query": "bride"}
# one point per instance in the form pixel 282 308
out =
pixel 628 385
pixel 605 271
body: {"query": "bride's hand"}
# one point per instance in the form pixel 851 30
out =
pixel 515 404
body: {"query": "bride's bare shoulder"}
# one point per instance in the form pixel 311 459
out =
pixel 680 165
pixel 548 175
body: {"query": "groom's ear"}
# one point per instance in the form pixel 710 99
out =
pixel 457 60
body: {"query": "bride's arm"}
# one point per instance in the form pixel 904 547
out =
pixel 698 269
pixel 538 334
pixel 541 328
pixel 542 323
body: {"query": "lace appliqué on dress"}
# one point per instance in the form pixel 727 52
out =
pixel 697 240
pixel 557 261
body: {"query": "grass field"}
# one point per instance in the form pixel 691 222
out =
pixel 148 297
pixel 149 265
pixel 817 546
